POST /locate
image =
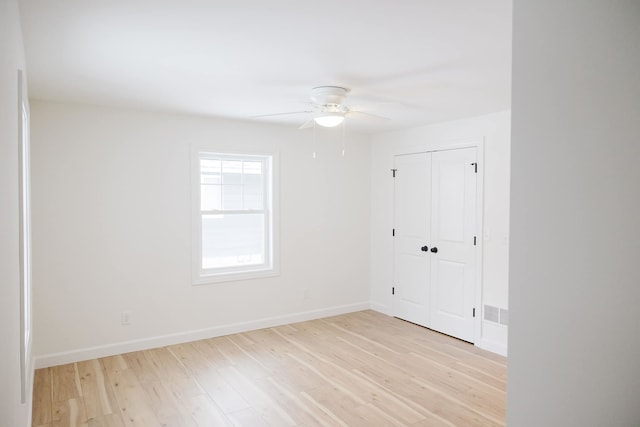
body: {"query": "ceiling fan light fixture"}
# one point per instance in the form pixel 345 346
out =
pixel 329 120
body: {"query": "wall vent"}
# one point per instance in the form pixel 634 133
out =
pixel 491 314
pixel 496 315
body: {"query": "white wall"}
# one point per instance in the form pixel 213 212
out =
pixel 574 338
pixel 112 230
pixel 494 130
pixel 12 412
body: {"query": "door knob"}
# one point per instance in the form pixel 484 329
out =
pixel 424 249
pixel 434 250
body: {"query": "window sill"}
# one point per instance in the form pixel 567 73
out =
pixel 209 279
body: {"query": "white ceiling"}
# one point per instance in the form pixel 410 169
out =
pixel 415 61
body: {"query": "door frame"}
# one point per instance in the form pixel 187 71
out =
pixel 446 145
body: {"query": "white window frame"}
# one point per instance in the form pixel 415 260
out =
pixel 270 267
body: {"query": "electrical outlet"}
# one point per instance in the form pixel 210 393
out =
pixel 126 318
pixel 306 294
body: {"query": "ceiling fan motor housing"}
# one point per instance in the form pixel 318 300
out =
pixel 328 95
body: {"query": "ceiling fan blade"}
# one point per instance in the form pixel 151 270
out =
pixel 282 114
pixel 307 124
pixel 377 106
pixel 366 116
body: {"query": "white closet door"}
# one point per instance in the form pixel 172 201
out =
pixel 453 207
pixel 412 207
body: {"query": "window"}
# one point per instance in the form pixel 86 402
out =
pixel 233 228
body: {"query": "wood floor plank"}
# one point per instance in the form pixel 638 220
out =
pixel 366 392
pixel 111 420
pixel 204 412
pixel 65 383
pixel 240 359
pixel 205 373
pixel 469 391
pixel 42 398
pixel 163 403
pixel 96 390
pixel 223 394
pixel 339 404
pixel 212 349
pixel 191 358
pixel 291 400
pixel 265 406
pixel 296 375
pixel 434 401
pixel 139 362
pixel 135 408
pixel 357 369
pixel 173 374
pixel 247 417
pixel 69 413
pixel 113 364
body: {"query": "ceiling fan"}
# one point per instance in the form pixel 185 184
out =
pixel 329 108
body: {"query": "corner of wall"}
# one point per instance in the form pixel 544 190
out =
pixel 381 308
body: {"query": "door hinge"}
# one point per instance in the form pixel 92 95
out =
pixel 474 312
pixel 393 171
pixel 474 240
pixel 475 167
pixel 393 232
pixel 393 290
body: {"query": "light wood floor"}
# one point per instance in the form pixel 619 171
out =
pixel 359 369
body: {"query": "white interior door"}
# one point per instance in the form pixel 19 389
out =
pixel 412 206
pixel 453 230
pixel 434 244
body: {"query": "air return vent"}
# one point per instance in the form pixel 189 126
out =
pixel 496 315
pixel 491 314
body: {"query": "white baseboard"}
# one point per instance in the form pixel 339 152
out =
pixel 55 359
pixel 494 347
pixel 381 308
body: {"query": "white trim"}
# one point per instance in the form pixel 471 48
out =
pixel 30 385
pixel 479 239
pixel 25 243
pixel 55 359
pixel 248 274
pixel 381 308
pixel 453 144
pixel 492 346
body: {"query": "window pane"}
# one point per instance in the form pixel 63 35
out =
pixel 232 240
pixel 252 168
pixel 231 172
pixel 210 171
pixel 253 198
pixel 232 197
pixel 253 188
pixel 210 197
